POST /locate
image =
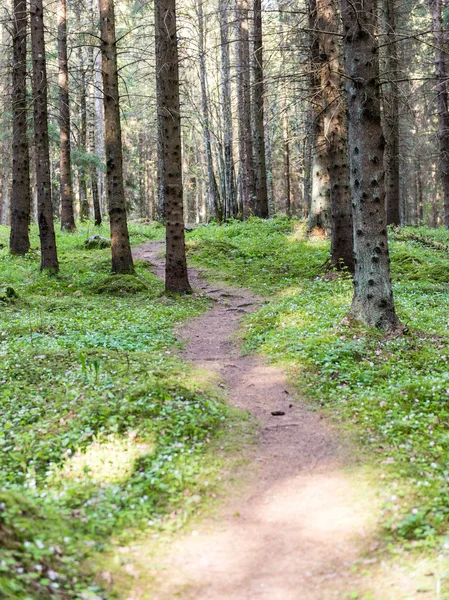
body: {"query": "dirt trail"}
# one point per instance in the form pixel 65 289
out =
pixel 294 530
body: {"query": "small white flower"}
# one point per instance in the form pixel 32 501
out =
pixel 39 544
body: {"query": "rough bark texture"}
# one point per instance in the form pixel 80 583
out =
pixel 441 77
pixel 320 210
pixel 49 257
pixel 122 261
pixel 373 302
pixel 20 193
pixel 335 131
pixel 390 97
pixel 67 213
pixel 230 200
pixel 243 68
pixel 261 203
pixel 214 201
pixel 167 73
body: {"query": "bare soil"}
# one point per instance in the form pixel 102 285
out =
pixel 303 517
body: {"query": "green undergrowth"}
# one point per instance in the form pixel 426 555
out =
pixel 392 390
pixel 104 433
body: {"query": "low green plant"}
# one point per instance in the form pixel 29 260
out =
pixel 392 390
pixel 104 432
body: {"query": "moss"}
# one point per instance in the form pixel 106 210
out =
pixel 119 285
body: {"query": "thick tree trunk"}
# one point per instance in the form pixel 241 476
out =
pixel 320 210
pixel 246 158
pixel 167 73
pixel 261 203
pixel 390 98
pixel 67 213
pixel 214 202
pixel 441 77
pixel 49 257
pixel 20 193
pixel 373 302
pixel 335 131
pixel 230 200
pixel 122 261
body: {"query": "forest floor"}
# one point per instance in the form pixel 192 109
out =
pixel 302 523
pixel 140 456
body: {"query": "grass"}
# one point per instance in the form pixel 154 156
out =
pixel 102 428
pixel 392 391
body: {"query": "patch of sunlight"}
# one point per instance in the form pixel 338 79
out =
pixel 111 461
pixel 291 291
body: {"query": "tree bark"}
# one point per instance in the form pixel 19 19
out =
pixel 390 97
pixel 49 257
pixel 99 129
pixel 20 193
pixel 92 133
pixel 5 93
pixel 168 106
pixel 214 202
pixel 320 210
pixel 82 124
pixel 67 213
pixel 441 77
pixel 335 131
pixel 373 302
pixel 230 200
pixel 261 190
pixel 246 158
pixel 122 261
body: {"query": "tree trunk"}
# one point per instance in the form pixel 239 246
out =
pixel 390 98
pixel 99 130
pixel 373 302
pixel 320 210
pixel 167 73
pixel 5 93
pixel 93 133
pixel 82 126
pixel 261 201
pixel 122 260
pixel 20 193
pixel 67 214
pixel 441 76
pixel 49 257
pixel 214 203
pixel 230 200
pixel 335 131
pixel 246 159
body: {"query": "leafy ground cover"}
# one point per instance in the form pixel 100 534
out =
pixel 103 431
pixel 393 391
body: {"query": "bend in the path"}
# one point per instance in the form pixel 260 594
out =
pixel 297 527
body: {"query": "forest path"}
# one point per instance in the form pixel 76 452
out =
pixel 299 521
